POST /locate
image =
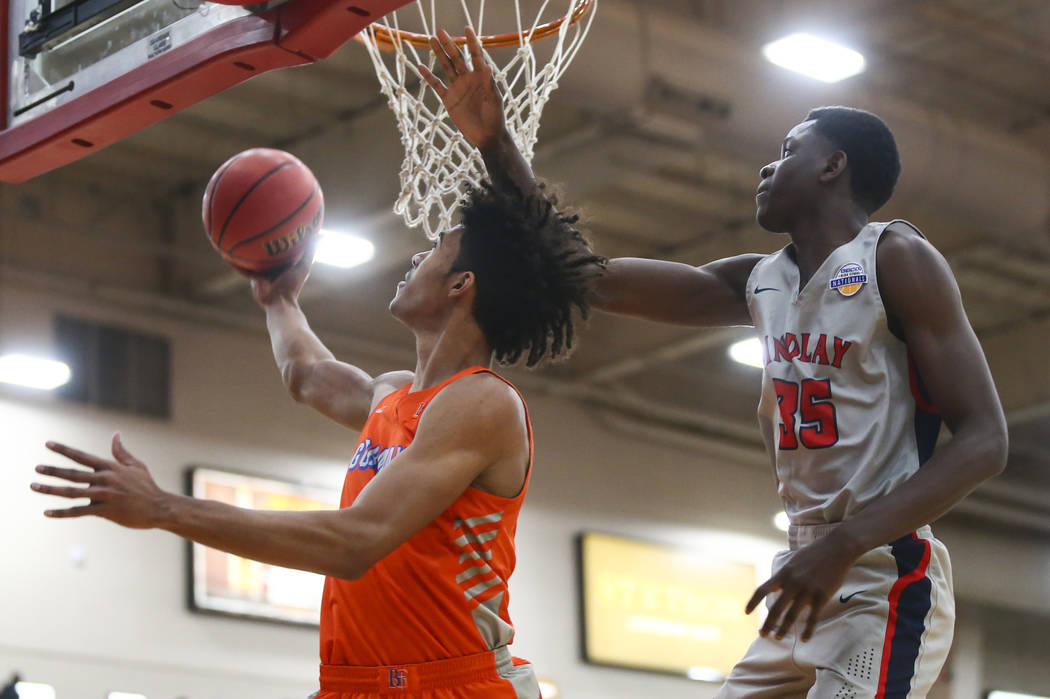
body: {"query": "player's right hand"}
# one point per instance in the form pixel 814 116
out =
pixel 471 98
pixel 286 285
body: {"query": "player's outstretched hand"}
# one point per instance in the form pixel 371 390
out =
pixel 807 581
pixel 288 283
pixel 470 97
pixel 120 490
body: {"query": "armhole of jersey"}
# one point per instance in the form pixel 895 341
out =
pixel 749 287
pixel 891 321
pixel 528 432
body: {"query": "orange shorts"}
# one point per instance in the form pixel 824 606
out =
pixel 490 675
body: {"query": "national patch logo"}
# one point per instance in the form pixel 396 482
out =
pixel 848 280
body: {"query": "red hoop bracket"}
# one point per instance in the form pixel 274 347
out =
pixel 299 32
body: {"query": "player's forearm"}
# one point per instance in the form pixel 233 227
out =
pixel 294 344
pixel 325 542
pixel 506 165
pixel 952 473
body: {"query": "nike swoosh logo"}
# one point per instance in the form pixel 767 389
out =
pixel 847 598
pixel 766 288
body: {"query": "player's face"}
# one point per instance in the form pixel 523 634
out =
pixel 790 186
pixel 425 289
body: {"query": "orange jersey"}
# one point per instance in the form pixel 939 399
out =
pixel 441 594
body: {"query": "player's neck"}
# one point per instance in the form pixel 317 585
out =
pixel 446 351
pixel 829 226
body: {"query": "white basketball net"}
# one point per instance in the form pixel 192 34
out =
pixel 439 163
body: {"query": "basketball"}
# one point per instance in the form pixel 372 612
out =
pixel 260 208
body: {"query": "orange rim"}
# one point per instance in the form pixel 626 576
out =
pixel 387 38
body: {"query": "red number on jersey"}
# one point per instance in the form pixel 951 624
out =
pixel 819 428
pixel 787 400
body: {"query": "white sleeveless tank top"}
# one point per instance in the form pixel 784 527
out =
pixel 843 411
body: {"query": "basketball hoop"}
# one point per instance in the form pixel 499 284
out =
pixel 439 163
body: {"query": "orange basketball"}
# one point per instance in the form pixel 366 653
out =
pixel 260 208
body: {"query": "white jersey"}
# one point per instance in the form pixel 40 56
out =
pixel 842 411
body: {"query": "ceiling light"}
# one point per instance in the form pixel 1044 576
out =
pixel 125 695
pixel 34 372
pixel 781 521
pixel 34 690
pixel 815 57
pixel 996 694
pixel 748 352
pixel 343 249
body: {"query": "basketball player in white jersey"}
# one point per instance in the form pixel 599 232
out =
pixel 867 347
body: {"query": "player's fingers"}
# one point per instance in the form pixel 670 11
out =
pixel 442 57
pixel 817 604
pixel 477 59
pixel 75 475
pixel 762 590
pixel 776 611
pixel 121 454
pixel 788 621
pixel 81 457
pixel 79 511
pixel 66 491
pixel 453 52
pixel 433 80
pixel 811 623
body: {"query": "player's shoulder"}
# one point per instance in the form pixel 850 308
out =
pixel 481 407
pixel 903 250
pixel 910 268
pixel 483 396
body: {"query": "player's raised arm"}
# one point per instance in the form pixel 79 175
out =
pixel 309 370
pixel 711 295
pixel 474 432
pixel 476 108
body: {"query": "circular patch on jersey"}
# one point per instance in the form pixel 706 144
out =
pixel 848 280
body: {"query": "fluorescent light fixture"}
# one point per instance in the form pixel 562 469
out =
pixel 548 690
pixel 704 674
pixel 781 521
pixel 125 695
pixel 34 690
pixel 34 372
pixel 815 57
pixel 343 249
pixel 748 352
pixel 996 694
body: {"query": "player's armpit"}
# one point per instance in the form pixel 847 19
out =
pixel 672 292
pixel 475 428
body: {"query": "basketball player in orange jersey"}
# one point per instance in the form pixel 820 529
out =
pixel 419 556
pixel 867 347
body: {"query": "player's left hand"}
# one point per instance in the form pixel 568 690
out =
pixel 120 490
pixel 473 103
pixel 807 581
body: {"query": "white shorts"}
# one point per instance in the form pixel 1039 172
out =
pixel 884 635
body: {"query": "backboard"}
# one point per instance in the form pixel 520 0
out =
pixel 82 74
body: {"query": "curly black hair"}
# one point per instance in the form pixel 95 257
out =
pixel 870 149
pixel 533 270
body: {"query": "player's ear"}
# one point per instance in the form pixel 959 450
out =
pixel 834 166
pixel 461 283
